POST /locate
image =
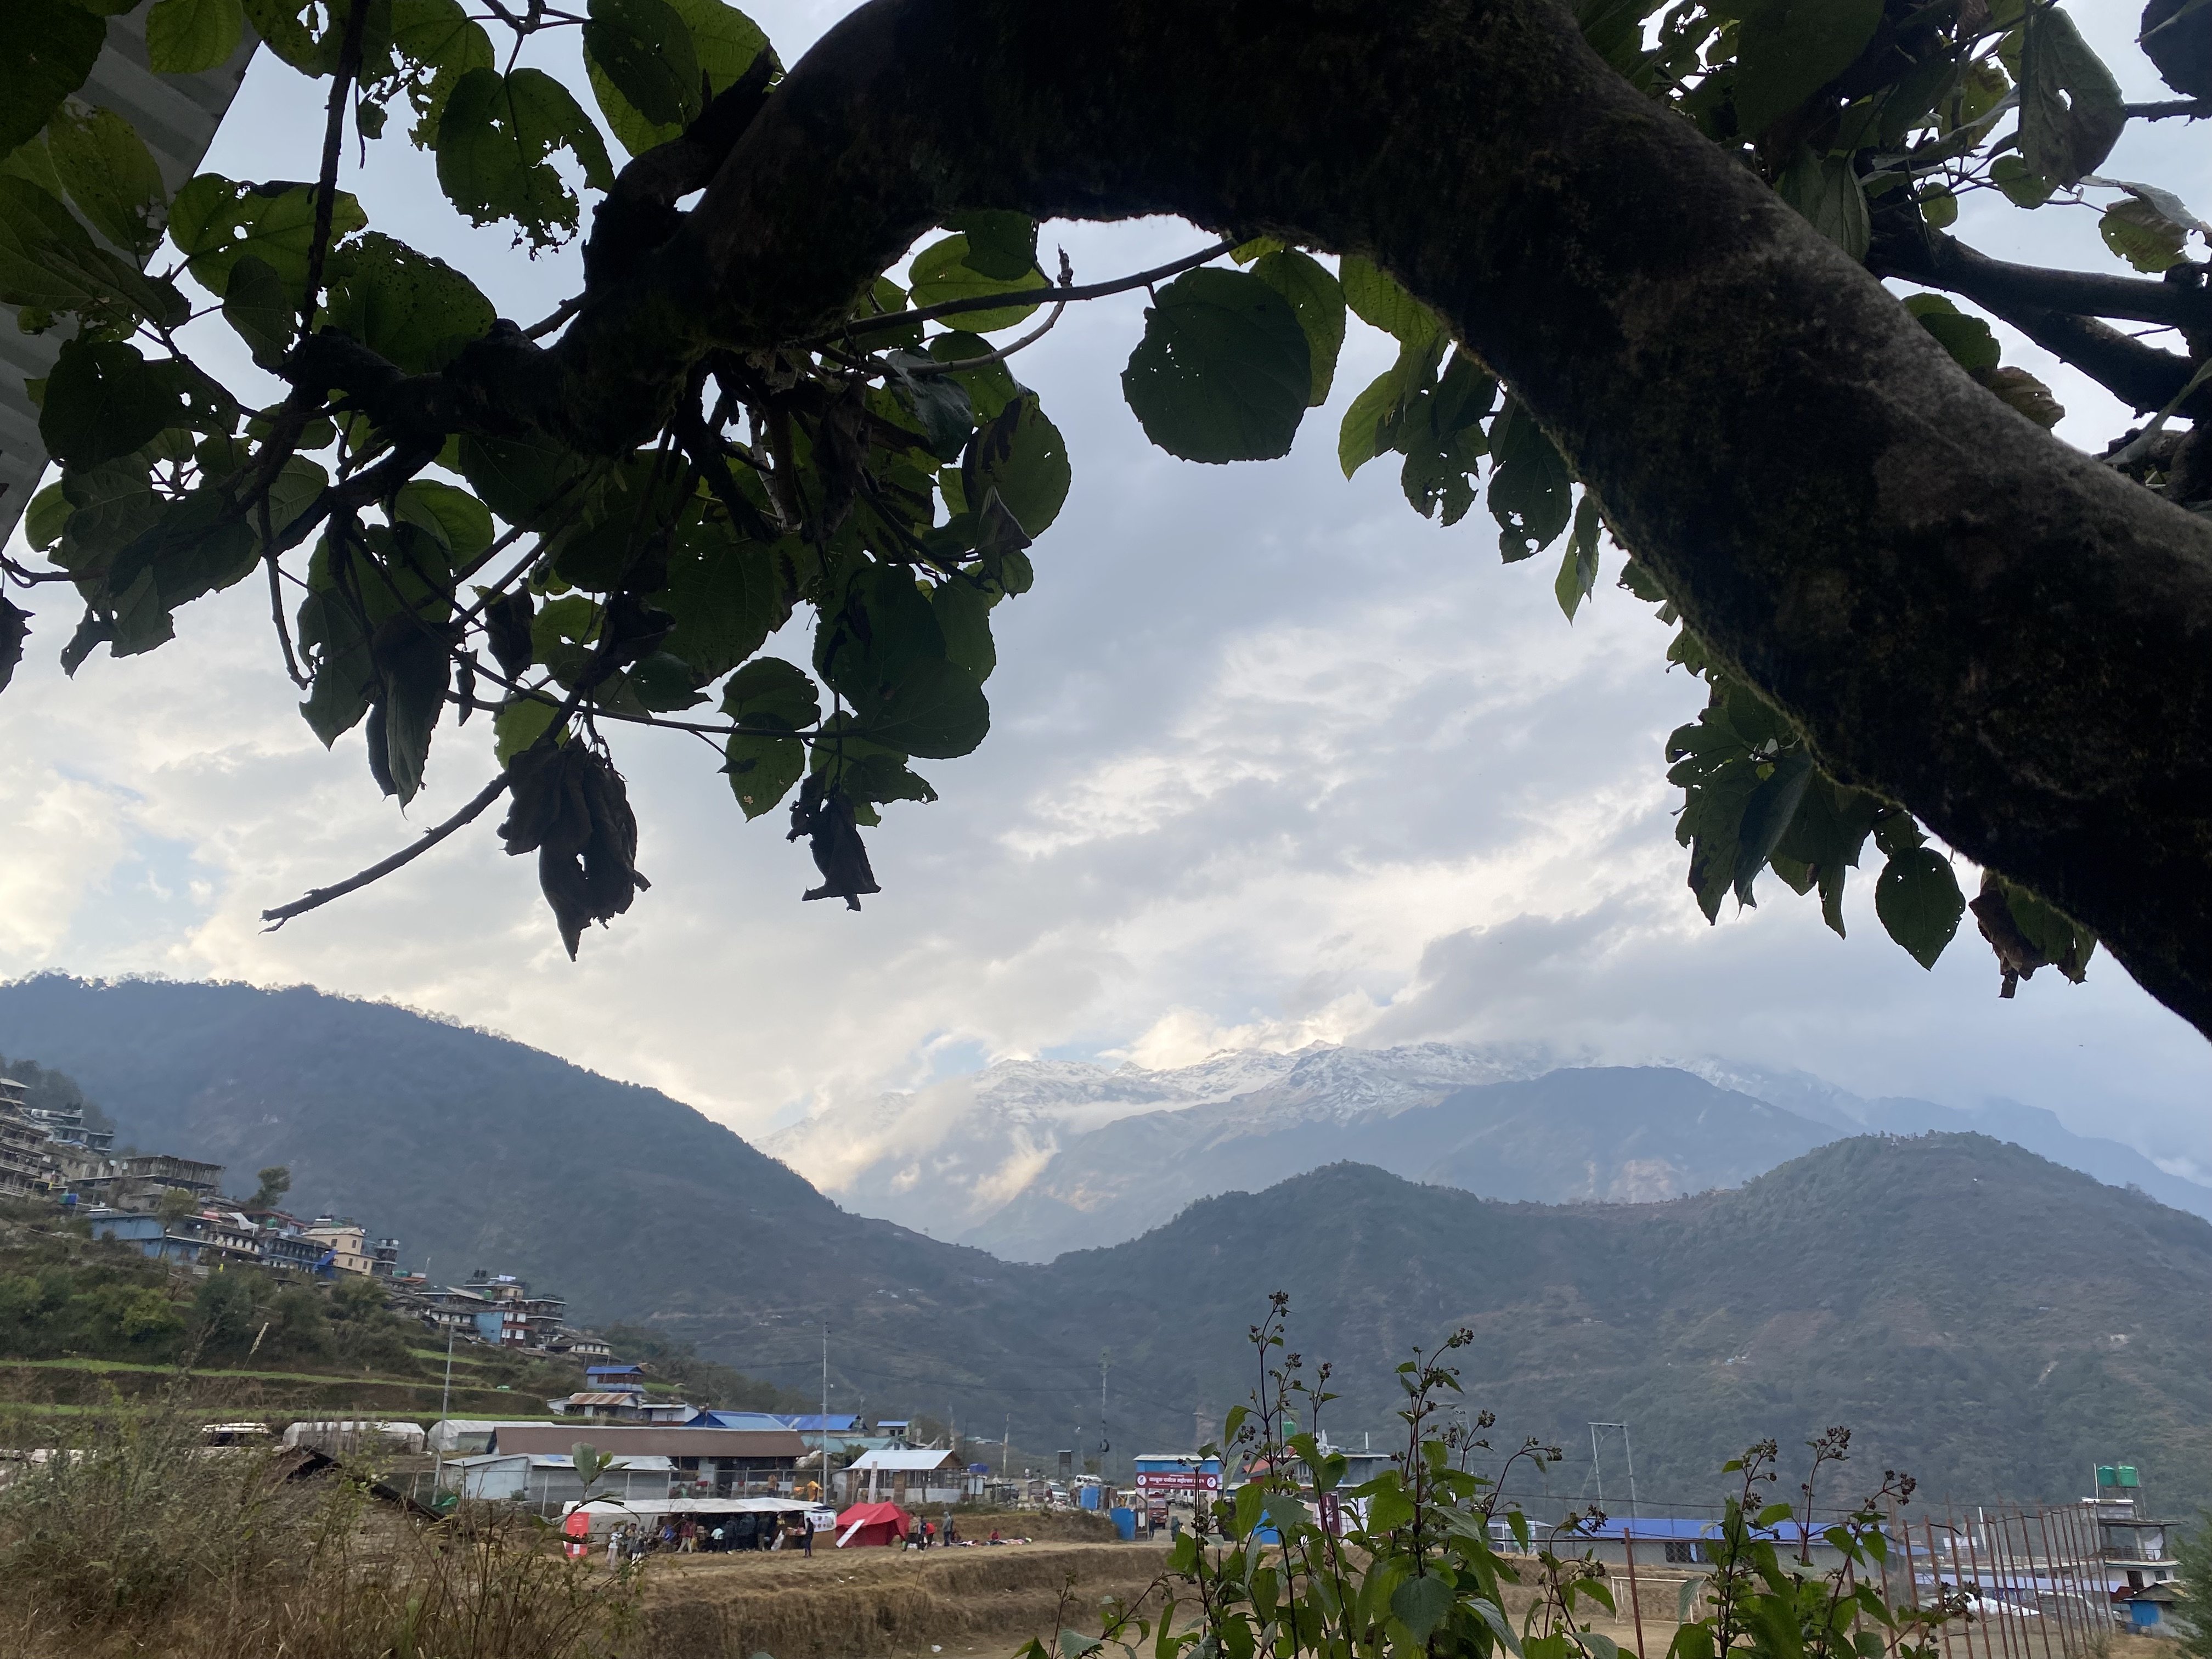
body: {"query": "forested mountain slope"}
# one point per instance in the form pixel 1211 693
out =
pixel 476 1151
pixel 1983 1318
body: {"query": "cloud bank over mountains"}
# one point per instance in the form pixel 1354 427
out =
pixel 1028 1159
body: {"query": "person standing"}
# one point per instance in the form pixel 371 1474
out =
pixel 806 1534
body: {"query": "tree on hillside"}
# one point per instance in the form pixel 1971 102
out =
pixel 1628 251
pixel 276 1182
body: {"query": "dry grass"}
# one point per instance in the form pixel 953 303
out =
pixel 877 1603
pixel 140 1540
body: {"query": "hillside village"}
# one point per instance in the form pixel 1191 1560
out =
pixel 171 1210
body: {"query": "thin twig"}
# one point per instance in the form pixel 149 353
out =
pixel 568 309
pixel 277 603
pixel 327 195
pixel 322 896
pixel 2194 109
pixel 1032 296
pixel 921 370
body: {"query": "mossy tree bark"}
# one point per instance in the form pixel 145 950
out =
pixel 1960 611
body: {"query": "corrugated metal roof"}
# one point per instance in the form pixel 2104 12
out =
pixel 607 1397
pixel 667 1440
pixel 905 1459
pixel 177 116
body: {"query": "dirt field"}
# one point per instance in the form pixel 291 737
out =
pixel 884 1603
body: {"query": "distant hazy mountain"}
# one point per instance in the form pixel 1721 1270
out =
pixel 946 1158
pixel 1028 1159
pixel 2033 1127
pixel 1616 1134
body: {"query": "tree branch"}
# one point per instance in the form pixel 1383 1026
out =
pixel 1960 612
pixel 1942 261
pixel 383 868
pixel 2195 109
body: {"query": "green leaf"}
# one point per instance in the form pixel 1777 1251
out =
pixel 184 37
pixel 1826 190
pixel 2143 236
pixel 278 24
pixel 216 223
pixel 416 670
pixel 1789 49
pixel 641 48
pixel 521 479
pixel 1378 300
pixel 437 36
pixel 1938 206
pixel 142 621
pixel 1767 813
pixel 256 306
pixel 104 400
pixel 772 695
pixel 1021 456
pixel 493 141
pixel 938 402
pixel 48 261
pixel 1317 299
pixel 990 387
pixel 415 311
pixel 941 274
pixel 1001 244
pixel 1421 1605
pixel 43 521
pixel 518 724
pixel 1968 339
pixel 963 616
pixel 110 176
pixel 1918 900
pixel 461 523
pixel 724 44
pixel 762 770
pixel 1222 372
pixel 2070 108
pixel 2022 185
pixel 51 47
pixel 1578 577
pixel 934 708
pixel 1373 423
pixel 725 595
pixel 1440 432
pixel 1531 493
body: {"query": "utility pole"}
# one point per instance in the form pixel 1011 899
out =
pixel 825 1413
pixel 1597 1473
pixel 1005 1445
pixel 1105 1445
pixel 445 1418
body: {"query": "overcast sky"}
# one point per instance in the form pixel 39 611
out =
pixel 1273 760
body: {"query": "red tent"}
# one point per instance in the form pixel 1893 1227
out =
pixel 872 1523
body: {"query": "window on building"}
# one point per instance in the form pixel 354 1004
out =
pixel 2135 1579
pixel 1678 1551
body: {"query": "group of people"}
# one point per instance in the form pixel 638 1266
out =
pixel 632 1540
